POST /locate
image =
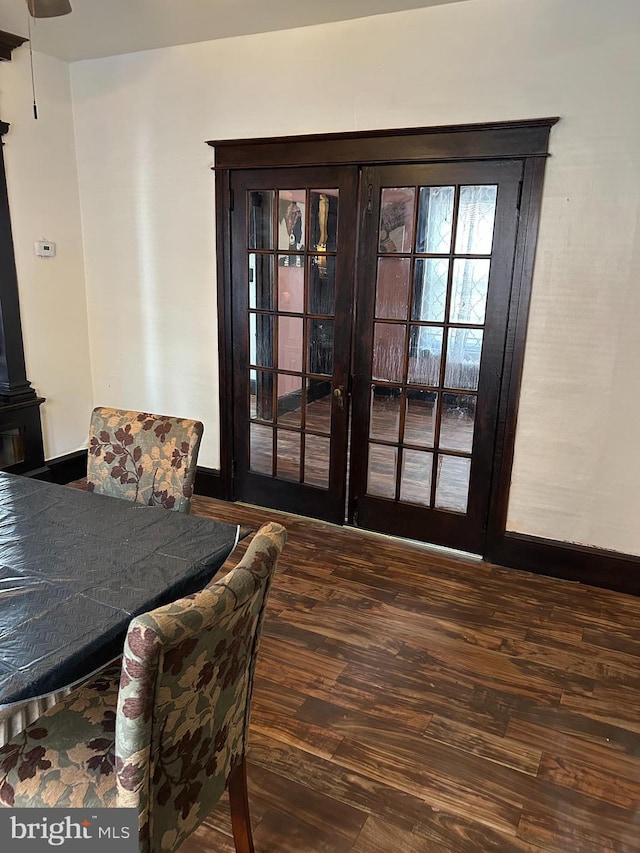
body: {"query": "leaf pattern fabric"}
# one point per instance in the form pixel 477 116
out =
pixel 66 757
pixel 145 458
pixel 162 731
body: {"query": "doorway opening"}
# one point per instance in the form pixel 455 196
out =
pixel 373 292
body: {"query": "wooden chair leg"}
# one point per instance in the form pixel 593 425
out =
pixel 239 802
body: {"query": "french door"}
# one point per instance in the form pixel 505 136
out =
pixel 399 351
pixel 293 250
pixel 434 279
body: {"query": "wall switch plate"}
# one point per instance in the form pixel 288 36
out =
pixel 45 249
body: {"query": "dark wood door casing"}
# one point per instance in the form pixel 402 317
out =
pixel 526 141
pixel 487 141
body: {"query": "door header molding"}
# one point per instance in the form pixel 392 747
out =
pixel 495 140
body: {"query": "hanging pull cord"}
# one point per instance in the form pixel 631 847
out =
pixel 33 77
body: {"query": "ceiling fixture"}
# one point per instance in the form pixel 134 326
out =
pixel 48 8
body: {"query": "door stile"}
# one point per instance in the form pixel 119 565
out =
pixel 362 339
pixel 344 325
pixel 491 378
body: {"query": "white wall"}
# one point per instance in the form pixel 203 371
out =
pixel 147 204
pixel 42 180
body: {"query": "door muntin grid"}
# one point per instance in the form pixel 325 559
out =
pixel 433 264
pixel 291 272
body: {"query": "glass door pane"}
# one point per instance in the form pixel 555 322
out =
pixel 301 319
pixel 443 330
pixel 296 257
pixel 426 309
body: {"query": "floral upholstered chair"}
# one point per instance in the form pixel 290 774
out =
pixel 165 732
pixel 148 459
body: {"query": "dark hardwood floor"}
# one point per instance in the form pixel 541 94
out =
pixel 406 700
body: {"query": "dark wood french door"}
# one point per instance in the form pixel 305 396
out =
pixel 292 266
pixel 434 279
pixel 409 340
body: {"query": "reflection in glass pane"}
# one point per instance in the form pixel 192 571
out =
pixel 452 487
pixel 324 220
pixel 290 343
pixel 381 473
pixel 430 289
pixel 464 348
pixel 322 284
pixel 321 346
pixel 396 220
pixel 289 400
pixel 316 460
pixel 290 287
pixel 435 216
pixel 261 282
pixel 261 339
pixel 388 351
pixel 288 455
pixel 319 399
pixel 476 215
pixel 385 413
pixel 419 422
pixel 392 288
pixel 458 420
pixel 261 449
pixel 469 293
pixel 261 394
pixel 253 381
pixel 261 219
pixel 425 355
pixel 415 485
pixel 291 221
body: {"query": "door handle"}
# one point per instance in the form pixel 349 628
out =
pixel 338 393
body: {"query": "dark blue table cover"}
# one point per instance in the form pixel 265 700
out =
pixel 75 567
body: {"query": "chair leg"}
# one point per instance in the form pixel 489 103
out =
pixel 239 802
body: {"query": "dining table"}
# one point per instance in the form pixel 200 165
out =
pixel 76 567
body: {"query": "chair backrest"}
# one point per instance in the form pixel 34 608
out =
pixel 185 693
pixel 148 459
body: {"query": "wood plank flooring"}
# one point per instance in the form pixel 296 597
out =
pixel 406 700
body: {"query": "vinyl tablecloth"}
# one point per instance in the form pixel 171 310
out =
pixel 75 567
